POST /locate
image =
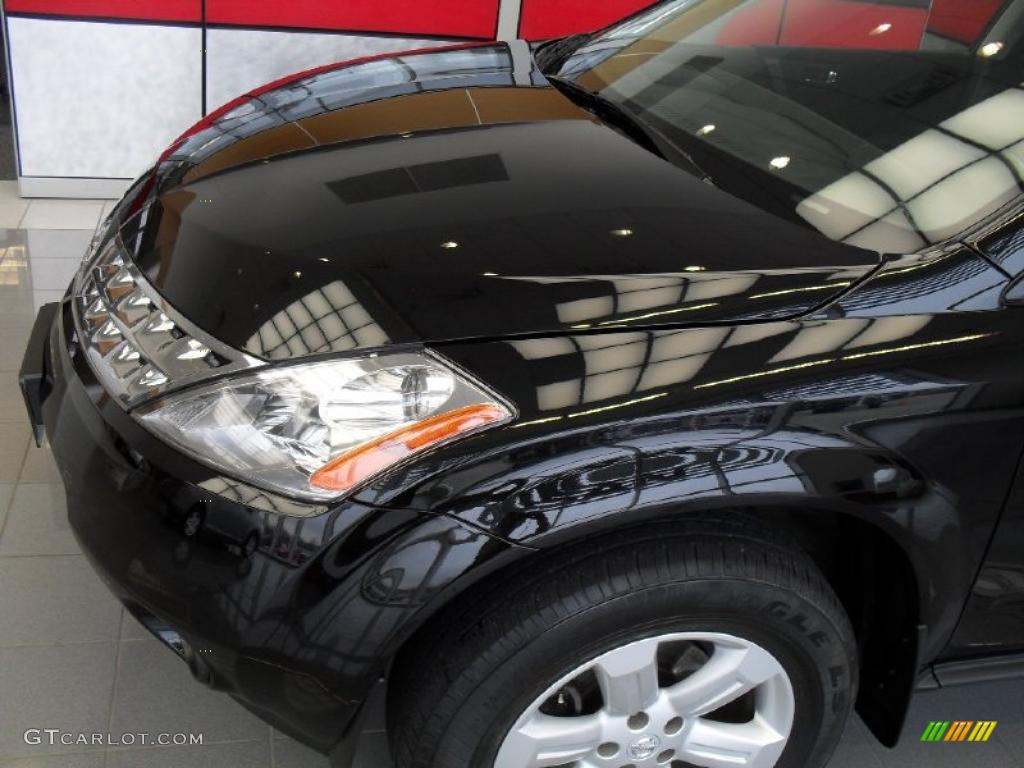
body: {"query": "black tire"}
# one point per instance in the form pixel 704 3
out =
pixel 459 688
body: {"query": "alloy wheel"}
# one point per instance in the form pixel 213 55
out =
pixel 675 700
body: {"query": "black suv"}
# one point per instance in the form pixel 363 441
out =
pixel 646 398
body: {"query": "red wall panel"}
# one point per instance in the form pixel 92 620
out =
pixel 442 18
pixel 150 10
pixel 542 19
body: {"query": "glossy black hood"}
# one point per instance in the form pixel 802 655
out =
pixel 447 195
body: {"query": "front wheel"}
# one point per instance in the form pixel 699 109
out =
pixel 700 697
pixel 712 645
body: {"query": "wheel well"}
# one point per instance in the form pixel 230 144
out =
pixel 874 581
pixel 876 584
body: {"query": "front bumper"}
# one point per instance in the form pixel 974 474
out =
pixel 296 617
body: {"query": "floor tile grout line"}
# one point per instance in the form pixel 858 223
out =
pixel 24 214
pixel 59 258
pixel 43 554
pixel 147 747
pixel 115 750
pixel 24 457
pixel 8 506
pixel 10 502
pixel 113 683
pixel 1010 749
pixel 60 644
pixel 50 755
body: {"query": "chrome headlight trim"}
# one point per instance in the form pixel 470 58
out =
pixel 138 346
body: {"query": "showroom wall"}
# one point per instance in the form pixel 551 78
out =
pixel 99 87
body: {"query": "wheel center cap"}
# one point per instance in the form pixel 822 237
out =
pixel 644 747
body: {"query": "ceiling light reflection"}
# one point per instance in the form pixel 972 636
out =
pixel 758 374
pixel 881 29
pixel 991 49
pixel 710 128
pixel 855 356
pixel 823 287
pixel 624 232
pixel 449 244
pixel 778 163
pixel 604 408
pixel 922 345
pixel 548 420
pixel 674 310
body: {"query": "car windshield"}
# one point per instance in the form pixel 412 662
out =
pixel 891 125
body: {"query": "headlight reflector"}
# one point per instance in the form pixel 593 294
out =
pixel 317 430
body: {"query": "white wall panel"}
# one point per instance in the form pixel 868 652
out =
pixel 99 99
pixel 239 60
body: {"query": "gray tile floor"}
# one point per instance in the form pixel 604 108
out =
pixel 70 658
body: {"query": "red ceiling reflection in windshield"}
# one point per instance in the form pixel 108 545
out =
pixel 828 24
pixel 963 21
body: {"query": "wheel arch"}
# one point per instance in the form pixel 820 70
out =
pixel 880 594
pixel 877 583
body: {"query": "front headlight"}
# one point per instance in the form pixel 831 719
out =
pixel 317 430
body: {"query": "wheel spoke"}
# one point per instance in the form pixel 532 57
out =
pixel 732 745
pixel 628 681
pixel 628 677
pixel 544 740
pixel 730 672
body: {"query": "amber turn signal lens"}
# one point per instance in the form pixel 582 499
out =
pixel 354 466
